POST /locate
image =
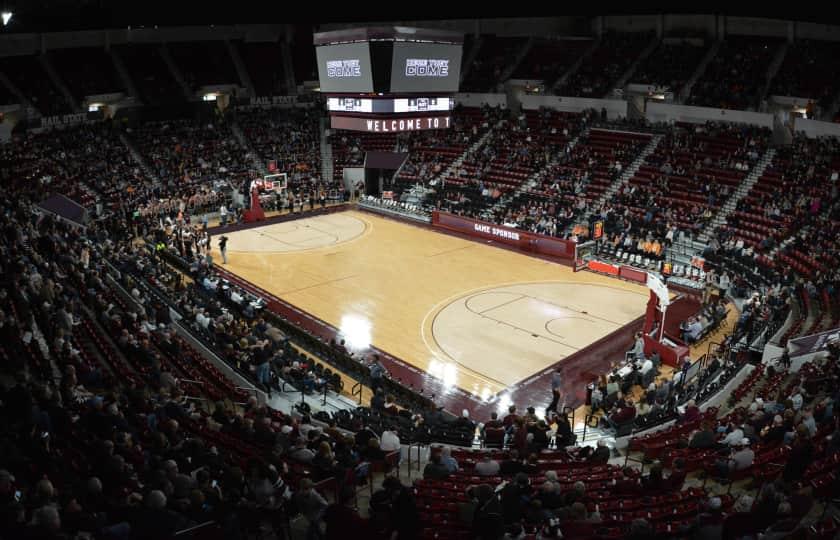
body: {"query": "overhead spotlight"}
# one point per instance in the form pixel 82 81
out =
pixel 7 16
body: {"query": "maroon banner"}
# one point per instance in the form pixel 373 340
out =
pixel 390 125
pixel 525 241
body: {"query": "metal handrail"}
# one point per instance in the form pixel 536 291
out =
pixel 302 390
pixel 357 389
pixel 586 419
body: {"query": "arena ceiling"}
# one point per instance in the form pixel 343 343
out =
pixel 59 15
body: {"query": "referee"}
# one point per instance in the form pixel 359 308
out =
pixel 223 248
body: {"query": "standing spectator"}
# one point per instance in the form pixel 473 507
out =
pixel 403 515
pixel 514 498
pixel 377 372
pixel 487 520
pixel 556 385
pixel 341 517
pixel 312 505
pixel 389 441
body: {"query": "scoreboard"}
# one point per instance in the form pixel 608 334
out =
pixel 390 105
pixel 389 79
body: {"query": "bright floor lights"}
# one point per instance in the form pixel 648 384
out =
pixel 356 332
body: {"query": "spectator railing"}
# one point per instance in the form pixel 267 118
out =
pixel 357 391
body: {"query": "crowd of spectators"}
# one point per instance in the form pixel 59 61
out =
pixel 30 78
pixel 119 443
pixel 496 53
pixel 691 173
pixel 150 74
pixel 671 64
pixel 736 76
pixel 204 63
pixel 288 137
pixel 548 59
pixel 805 74
pixel 603 68
pixel 86 71
pixel 187 152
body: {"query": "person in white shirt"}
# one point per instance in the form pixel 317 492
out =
pixel 389 441
pixel 202 319
pixel 723 283
pixel 638 347
pixel 797 400
pixel 223 213
pixel 693 330
pixel 734 437
pixel 646 372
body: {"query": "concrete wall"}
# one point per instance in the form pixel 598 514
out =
pixel 664 112
pixel 816 128
pixel 806 30
pixel 682 23
pixel 632 23
pixel 19 44
pixel 754 26
pixel 616 108
pixel 525 26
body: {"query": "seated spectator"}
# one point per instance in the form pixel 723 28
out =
pixel 692 412
pixel 677 477
pixel 621 414
pixel 301 453
pixel 709 523
pixel 487 466
pixel 435 470
pixel 512 465
pixel 702 438
pixel 741 458
pixel 448 461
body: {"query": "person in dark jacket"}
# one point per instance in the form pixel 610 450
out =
pixel 342 517
pixel 435 470
pixel 514 497
pixel 801 455
pixel 405 520
pixel 487 520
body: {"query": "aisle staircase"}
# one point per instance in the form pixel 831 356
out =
pixel 743 188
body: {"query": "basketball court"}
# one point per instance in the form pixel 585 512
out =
pixel 477 317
